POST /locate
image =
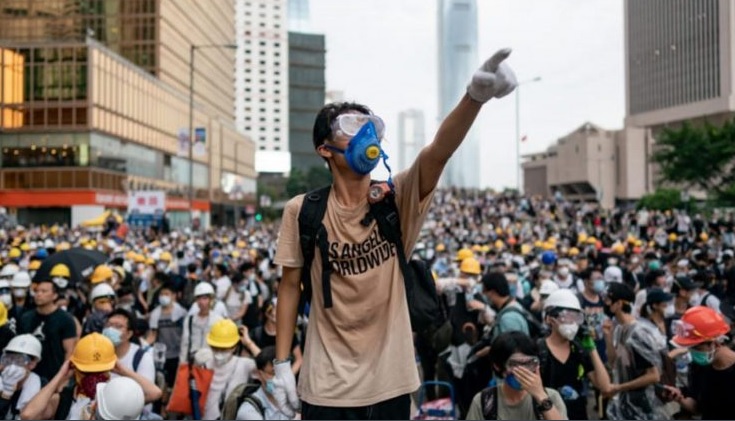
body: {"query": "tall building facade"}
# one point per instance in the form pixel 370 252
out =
pixel 261 78
pixel 679 61
pixel 101 98
pixel 458 59
pixel 411 137
pixel 306 94
pixel 299 16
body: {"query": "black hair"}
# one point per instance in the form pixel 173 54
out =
pixel 586 274
pixel 123 291
pixel 56 288
pixel 496 281
pixel 266 356
pixel 325 117
pixel 162 276
pixel 191 268
pixel 126 314
pixel 169 285
pixel 222 268
pixel 507 344
pixel 246 266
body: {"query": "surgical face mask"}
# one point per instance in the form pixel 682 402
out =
pixel 599 286
pixel 270 387
pixel 363 152
pixel 7 300
pixel 164 300
pixel 221 357
pixel 114 335
pixel 161 266
pixel 694 299
pixel 568 330
pixel 563 271
pixel 702 357
pixel 512 382
pixel 20 292
pixel 670 310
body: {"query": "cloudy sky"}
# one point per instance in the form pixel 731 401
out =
pixel 384 53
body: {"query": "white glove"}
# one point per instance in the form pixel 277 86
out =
pixel 285 389
pixel 494 79
pixel 11 376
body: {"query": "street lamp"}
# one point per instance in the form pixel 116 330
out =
pixel 518 129
pixel 192 50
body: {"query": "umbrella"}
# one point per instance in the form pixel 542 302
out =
pixel 81 263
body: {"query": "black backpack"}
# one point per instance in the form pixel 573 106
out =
pixel 241 393
pixel 424 304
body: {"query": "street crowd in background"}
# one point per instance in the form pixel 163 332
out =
pixel 623 313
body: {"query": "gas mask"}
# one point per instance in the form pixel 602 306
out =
pixel 363 152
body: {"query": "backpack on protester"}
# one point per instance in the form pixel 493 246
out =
pixel 535 328
pixel 425 309
pixel 240 394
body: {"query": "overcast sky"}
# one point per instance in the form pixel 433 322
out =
pixel 384 53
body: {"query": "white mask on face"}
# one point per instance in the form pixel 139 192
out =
pixel 694 299
pixel 669 310
pixel 221 358
pixel 563 271
pixel 568 330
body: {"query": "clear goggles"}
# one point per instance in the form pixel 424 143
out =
pixel 570 316
pixel 349 124
pixel 529 363
pixel 14 359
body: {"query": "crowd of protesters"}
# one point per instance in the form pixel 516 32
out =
pixel 617 314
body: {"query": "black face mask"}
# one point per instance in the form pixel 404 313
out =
pixel 609 313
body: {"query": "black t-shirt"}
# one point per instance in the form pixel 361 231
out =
pixel 712 389
pixel 264 339
pixel 51 330
pixel 572 372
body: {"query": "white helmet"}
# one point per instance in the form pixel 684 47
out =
pixel 203 288
pixel 102 289
pixel 21 280
pixel 25 344
pixel 547 287
pixel 49 244
pixel 9 271
pixel 563 298
pixel 613 274
pixel 120 398
pixel 4 283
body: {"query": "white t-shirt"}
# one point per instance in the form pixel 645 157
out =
pixel 222 284
pixel 146 368
pixel 219 309
pixel 234 300
pixel 225 379
pixel 248 411
pixel 31 387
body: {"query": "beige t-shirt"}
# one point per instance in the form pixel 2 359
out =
pixel 360 351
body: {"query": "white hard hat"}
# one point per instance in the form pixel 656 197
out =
pixel 102 289
pixel 203 288
pixel 4 283
pixel 9 271
pixel 21 280
pixel 120 398
pixel 563 298
pixel 49 244
pixel 547 287
pixel 613 274
pixel 25 344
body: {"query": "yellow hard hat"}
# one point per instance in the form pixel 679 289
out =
pixel 63 246
pixel 538 244
pixel 165 257
pixel 591 240
pixel 139 258
pixel 94 353
pixel 34 265
pixel 573 252
pixel 223 334
pixel 499 231
pixel 638 243
pixel 14 253
pixel 440 247
pixel 120 271
pixel 60 271
pixel 235 254
pixel 673 237
pixel 618 248
pixel 703 236
pixel 476 248
pixel 470 265
pixel 549 246
pixel 3 314
pixel 101 273
pixel 631 239
pixel 25 247
pixel 131 255
pixel 581 238
pixel 150 261
pixel 525 249
pixel 54 229
pixel 499 244
pixel 485 248
pixel 240 244
pixel 463 254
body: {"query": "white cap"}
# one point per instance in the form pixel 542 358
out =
pixel 613 274
pixel 120 398
pixel 203 288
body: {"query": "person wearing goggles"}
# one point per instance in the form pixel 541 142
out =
pixel 366 372
pixel 19 382
pixel 702 331
pixel 521 395
pixel 569 353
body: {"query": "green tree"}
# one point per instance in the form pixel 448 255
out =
pixel 301 182
pixel 698 156
pixel 661 199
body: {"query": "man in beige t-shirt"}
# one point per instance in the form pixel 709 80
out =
pixel 359 358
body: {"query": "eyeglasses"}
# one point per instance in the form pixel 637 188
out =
pixel 570 316
pixel 350 124
pixel 530 363
pixel 14 359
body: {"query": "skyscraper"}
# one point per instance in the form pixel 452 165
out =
pixel 299 16
pixel 261 80
pixel 458 59
pixel 411 137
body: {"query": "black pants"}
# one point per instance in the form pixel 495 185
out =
pixel 398 408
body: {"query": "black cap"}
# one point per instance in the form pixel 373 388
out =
pixel 657 295
pixel 617 291
pixel 684 282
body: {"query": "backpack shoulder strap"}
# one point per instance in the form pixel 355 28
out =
pixel 489 402
pixel 386 215
pixel 704 299
pixel 137 357
pixel 312 233
pixel 253 400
